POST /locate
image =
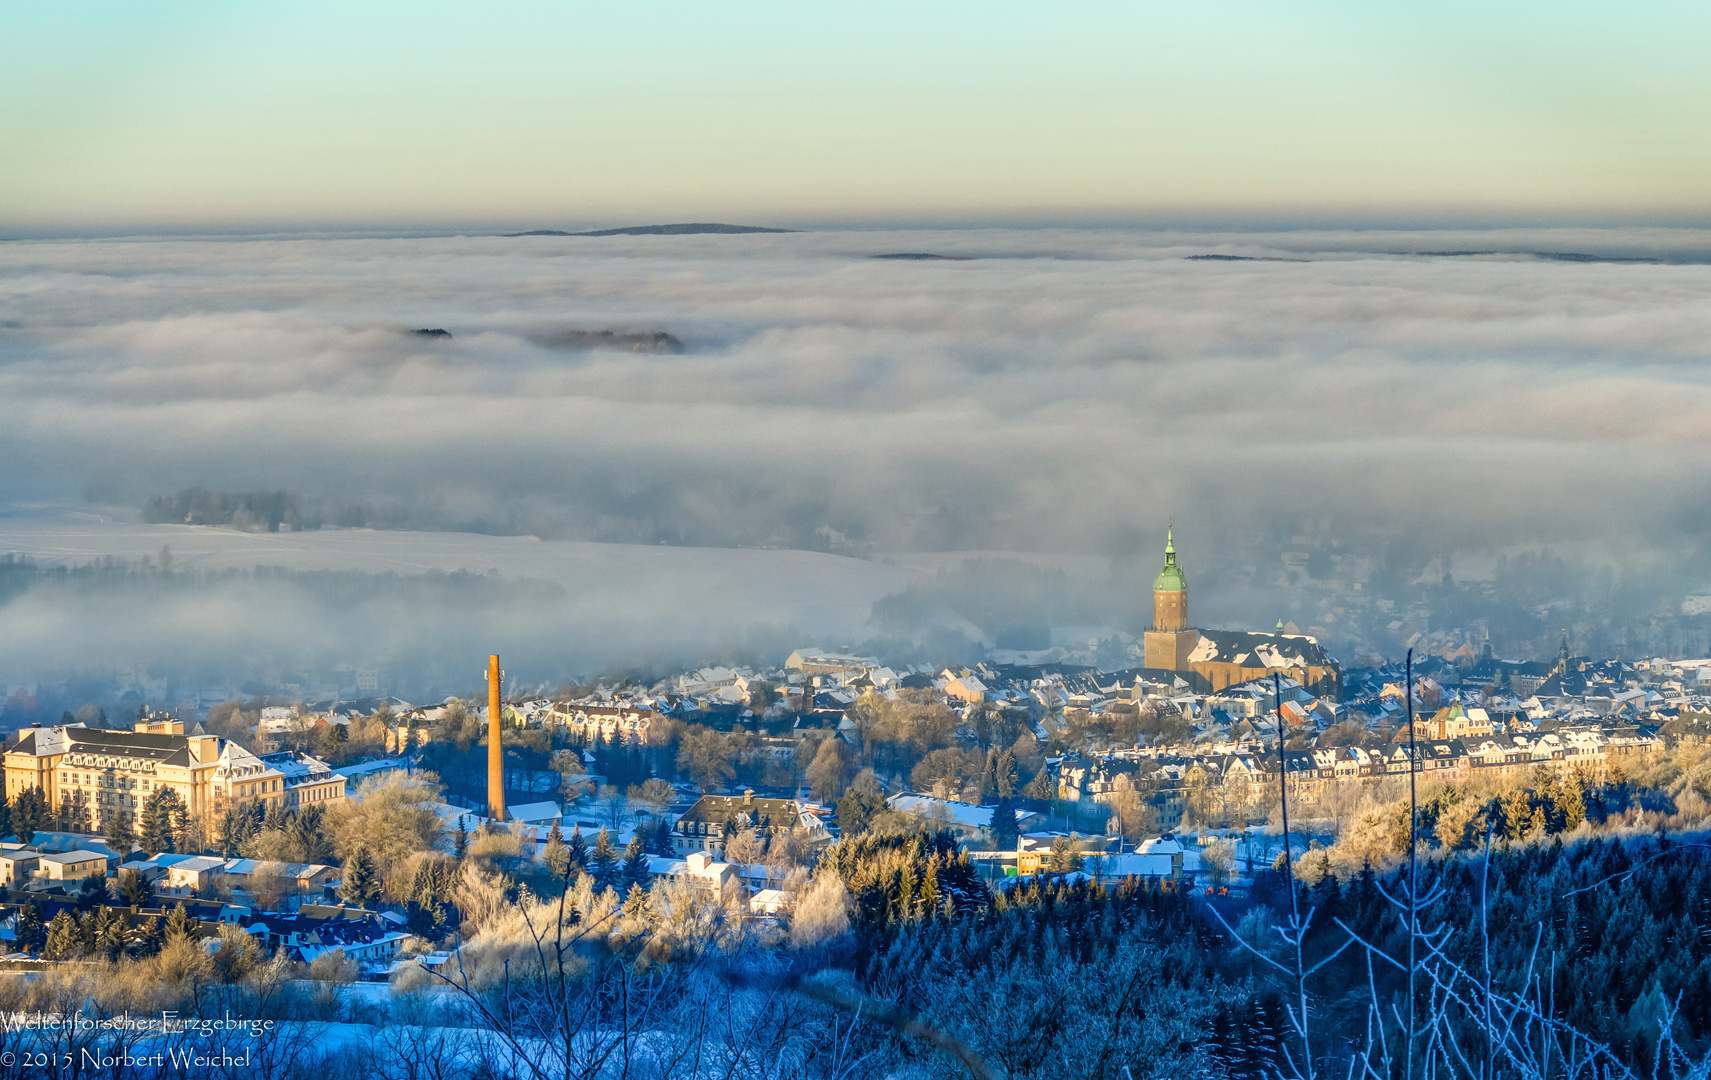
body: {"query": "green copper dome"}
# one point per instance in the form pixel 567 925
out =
pixel 1170 579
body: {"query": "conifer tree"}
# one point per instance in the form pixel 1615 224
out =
pixel 309 844
pixel 432 889
pixel 578 849
pixel 64 941
pixel 361 882
pixel 637 873
pixel 1004 773
pixel 134 888
pixel 109 932
pixel 1004 832
pixel 29 815
pixel 149 937
pixel 422 923
pixel 121 835
pixel 277 818
pixel 1040 788
pixel 556 857
pixel 603 862
pixel 30 933
pixel 555 835
pixel 602 749
pixel 229 837
pixel 5 815
pixel 860 804
pixel 160 814
pixel 1066 856
pixel 661 840
pixel 179 924
pixel 462 838
pixel 91 891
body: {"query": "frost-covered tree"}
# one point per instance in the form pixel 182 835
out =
pixel 822 912
pixel 361 881
pixel 603 862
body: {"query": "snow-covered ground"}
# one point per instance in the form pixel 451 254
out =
pixel 618 602
pixel 819 594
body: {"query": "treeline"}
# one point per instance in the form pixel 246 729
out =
pixel 1056 979
pixel 275 511
pixel 1055 975
pixel 1610 932
pixel 335 589
pixel 1662 792
pixel 268 511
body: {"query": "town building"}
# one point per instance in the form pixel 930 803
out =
pixel 62 866
pixel 707 824
pixel 309 781
pixel 813 662
pixel 16 865
pixel 971 824
pixel 1224 658
pixel 91 775
pixel 621 723
pixel 698 869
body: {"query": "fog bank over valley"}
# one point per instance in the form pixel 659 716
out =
pixel 663 449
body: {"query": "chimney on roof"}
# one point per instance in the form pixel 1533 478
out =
pixel 748 796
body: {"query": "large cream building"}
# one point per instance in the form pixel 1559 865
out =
pixel 89 775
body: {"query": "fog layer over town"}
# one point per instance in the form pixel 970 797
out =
pixel 1065 392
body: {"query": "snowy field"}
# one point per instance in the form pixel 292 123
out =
pixel 819 594
pixel 619 602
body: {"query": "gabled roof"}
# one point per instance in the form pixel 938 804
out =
pixel 1259 650
pixel 77 739
pixel 535 811
pixel 65 858
pixel 964 814
pixel 724 809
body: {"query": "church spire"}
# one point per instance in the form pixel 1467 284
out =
pixel 1170 589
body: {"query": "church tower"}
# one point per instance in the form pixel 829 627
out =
pixel 1169 640
pixel 1170 590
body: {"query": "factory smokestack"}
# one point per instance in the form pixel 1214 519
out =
pixel 495 749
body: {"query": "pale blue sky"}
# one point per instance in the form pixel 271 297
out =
pixel 231 115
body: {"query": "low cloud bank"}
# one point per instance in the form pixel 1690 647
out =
pixel 1061 391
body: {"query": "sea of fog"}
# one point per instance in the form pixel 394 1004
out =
pixel 1061 391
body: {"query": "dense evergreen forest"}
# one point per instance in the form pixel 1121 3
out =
pixel 1609 939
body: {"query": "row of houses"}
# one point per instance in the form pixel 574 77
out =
pixel 168 874
pixel 1168 780
pixel 372 939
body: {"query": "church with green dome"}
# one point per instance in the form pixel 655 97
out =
pixel 1226 657
pixel 1169 640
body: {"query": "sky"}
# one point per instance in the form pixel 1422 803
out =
pixel 243 117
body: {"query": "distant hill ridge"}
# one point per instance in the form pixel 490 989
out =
pixel 656 341
pixel 688 229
